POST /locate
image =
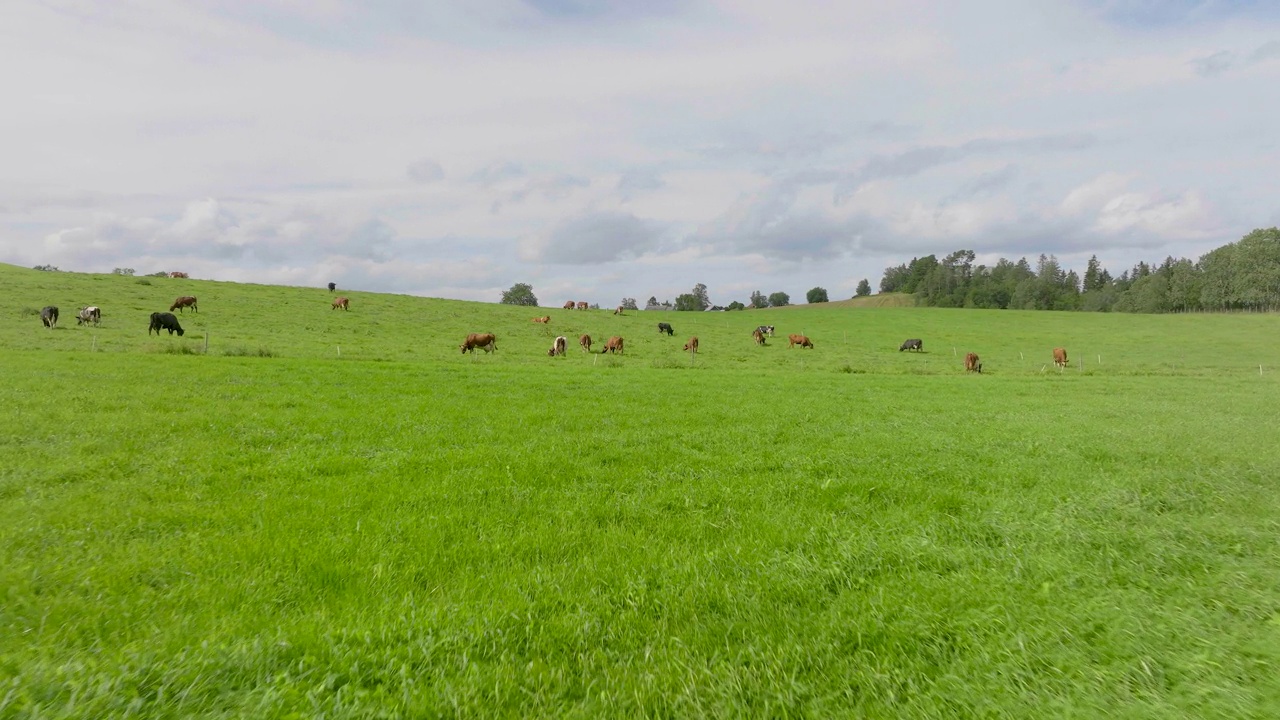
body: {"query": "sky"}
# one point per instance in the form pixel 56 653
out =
pixel 602 149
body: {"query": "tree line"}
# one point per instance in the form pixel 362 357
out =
pixel 1243 275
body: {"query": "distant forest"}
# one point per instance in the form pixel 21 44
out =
pixel 1243 275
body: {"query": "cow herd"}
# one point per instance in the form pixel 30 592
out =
pixel 92 314
pixel 488 341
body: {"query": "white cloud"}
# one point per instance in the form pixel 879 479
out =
pixel 740 144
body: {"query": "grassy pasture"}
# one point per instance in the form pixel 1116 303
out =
pixel 272 530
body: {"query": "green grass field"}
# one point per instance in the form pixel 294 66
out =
pixel 274 529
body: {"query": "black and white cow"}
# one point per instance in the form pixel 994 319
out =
pixel 766 330
pixel 665 328
pixel 165 321
pixel 49 316
pixel 91 314
pixel 912 344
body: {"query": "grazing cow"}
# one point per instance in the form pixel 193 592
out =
pixel 569 305
pixel 1060 357
pixel 49 316
pixel 618 311
pixel 614 345
pixel 485 341
pixel 340 302
pixel 912 344
pixel 758 336
pixel 544 319
pixel 90 314
pixel 583 305
pixel 585 342
pixel 665 328
pixel 333 286
pixel 766 330
pixel 186 301
pixel 558 347
pixel 176 274
pixel 692 345
pixel 971 363
pixel 165 321
pixel 801 340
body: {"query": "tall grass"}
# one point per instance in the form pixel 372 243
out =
pixel 768 534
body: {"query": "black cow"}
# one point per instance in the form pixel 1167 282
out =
pixel 666 328
pixel 912 344
pixel 165 321
pixel 49 316
pixel 333 286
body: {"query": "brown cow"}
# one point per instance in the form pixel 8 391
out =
pixel 176 274
pixel 971 363
pixel 340 303
pixel 618 311
pixel 569 305
pixel 614 345
pixel 558 347
pixel 1060 357
pixel 583 305
pixel 692 345
pixel 585 342
pixel 544 319
pixel 758 337
pixel 801 340
pixel 485 341
pixel 186 301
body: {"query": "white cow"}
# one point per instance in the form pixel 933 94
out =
pixel 558 347
pixel 91 314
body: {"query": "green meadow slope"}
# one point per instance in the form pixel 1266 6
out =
pixel 274 529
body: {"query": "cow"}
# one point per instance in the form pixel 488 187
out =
pixel 485 341
pixel 49 316
pixel 1060 357
pixel 186 301
pixel 801 340
pixel 585 343
pixel 971 363
pixel 90 314
pixel 692 345
pixel 758 336
pixel 545 319
pixel 665 328
pixel 583 305
pixel 340 302
pixel 333 286
pixel 165 321
pixel 766 330
pixel 618 311
pixel 558 347
pixel 614 345
pixel 912 344
pixel 570 305
pixel 176 274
